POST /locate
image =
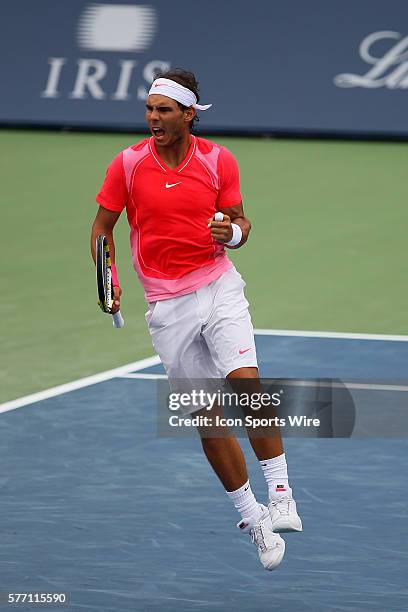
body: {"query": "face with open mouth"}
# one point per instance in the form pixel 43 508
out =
pixel 167 122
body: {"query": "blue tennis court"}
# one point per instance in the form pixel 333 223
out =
pixel 95 504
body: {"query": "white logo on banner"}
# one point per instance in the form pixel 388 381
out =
pixel 117 27
pixel 388 70
pixel 108 27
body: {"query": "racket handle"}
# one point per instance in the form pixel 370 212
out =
pixel 118 320
pixel 218 216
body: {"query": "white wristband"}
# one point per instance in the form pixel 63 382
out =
pixel 236 235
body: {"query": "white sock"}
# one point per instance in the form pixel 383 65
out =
pixel 245 502
pixel 276 475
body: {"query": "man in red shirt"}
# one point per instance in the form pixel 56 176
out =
pixel 183 204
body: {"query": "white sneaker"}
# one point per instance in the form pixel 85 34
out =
pixel 284 515
pixel 271 547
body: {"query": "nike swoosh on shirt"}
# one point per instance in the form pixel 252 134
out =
pixel 168 185
pixel 241 352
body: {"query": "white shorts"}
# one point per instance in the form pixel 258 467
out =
pixel 205 334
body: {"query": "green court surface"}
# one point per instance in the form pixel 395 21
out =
pixel 327 249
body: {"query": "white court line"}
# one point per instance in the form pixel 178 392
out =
pixel 314 334
pixel 144 363
pixel 333 385
pixel 78 384
pixel 296 383
pixel 143 376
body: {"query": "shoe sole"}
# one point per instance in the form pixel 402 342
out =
pixel 276 563
pixel 285 528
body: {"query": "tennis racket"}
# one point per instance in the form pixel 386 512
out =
pixel 104 280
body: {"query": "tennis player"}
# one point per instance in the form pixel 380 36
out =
pixel 172 184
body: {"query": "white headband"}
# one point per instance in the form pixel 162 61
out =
pixel 175 91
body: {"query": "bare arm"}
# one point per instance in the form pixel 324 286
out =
pixel 222 231
pixel 104 223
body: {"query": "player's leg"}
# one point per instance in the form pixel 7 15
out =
pixel 267 445
pixel 265 441
pixel 230 338
pixel 223 453
pixel 227 459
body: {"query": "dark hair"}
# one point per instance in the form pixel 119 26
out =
pixel 187 79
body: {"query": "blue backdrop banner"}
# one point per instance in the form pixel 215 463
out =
pixel 293 66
